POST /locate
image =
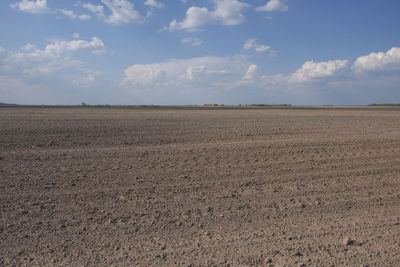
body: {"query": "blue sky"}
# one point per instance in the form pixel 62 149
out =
pixel 195 52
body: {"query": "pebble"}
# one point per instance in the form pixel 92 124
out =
pixel 347 241
pixel 299 254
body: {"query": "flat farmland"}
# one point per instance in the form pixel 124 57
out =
pixel 200 186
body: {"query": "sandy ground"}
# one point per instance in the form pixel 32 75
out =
pixel 200 187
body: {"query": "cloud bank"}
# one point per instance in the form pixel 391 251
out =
pixel 236 76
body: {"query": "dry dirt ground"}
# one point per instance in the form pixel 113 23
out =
pixel 200 187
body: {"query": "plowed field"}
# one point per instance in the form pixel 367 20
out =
pixel 200 186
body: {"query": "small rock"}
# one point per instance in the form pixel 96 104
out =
pixel 276 252
pixel 50 143
pixel 347 241
pixel 298 254
pixel 268 260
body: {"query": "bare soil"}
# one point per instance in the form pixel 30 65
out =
pixel 200 187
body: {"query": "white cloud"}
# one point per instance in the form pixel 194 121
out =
pixel 144 74
pixel 56 67
pixel 122 12
pixel 85 80
pixel 59 47
pixel 184 81
pixel 173 71
pixel 193 41
pixel 251 72
pixel 251 77
pixel 226 12
pixel 229 11
pixel 40 6
pixel 75 35
pixel 380 61
pixel 72 15
pixel 36 7
pixel 68 13
pixel 196 17
pixel 55 56
pixel 28 47
pixel 2 50
pixel 251 44
pixel 84 17
pixel 314 70
pixel 273 5
pixel 262 48
pixel 98 10
pixel 340 76
pixel 154 3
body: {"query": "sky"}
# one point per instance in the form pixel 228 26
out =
pixel 186 52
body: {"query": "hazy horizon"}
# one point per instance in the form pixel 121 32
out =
pixel 183 52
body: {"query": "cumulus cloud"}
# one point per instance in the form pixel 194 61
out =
pixel 251 44
pixel 273 5
pixel 228 73
pixel 196 17
pixel 225 12
pixel 68 13
pixel 314 70
pixel 2 50
pixel 380 61
pixel 72 15
pixel 59 47
pixel 122 12
pixel 35 7
pixel 229 11
pixel 97 9
pixel 250 78
pixel 176 71
pixel 251 72
pixel 193 41
pixel 35 75
pixel 185 81
pixel 154 3
pixel 28 47
pixel 55 56
pixel 340 75
pixel 84 17
pixel 40 7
